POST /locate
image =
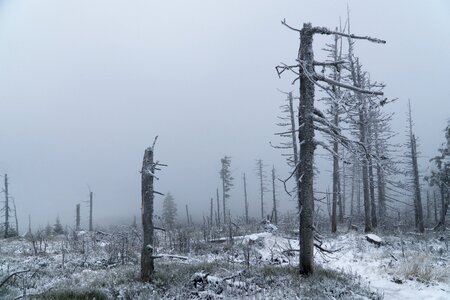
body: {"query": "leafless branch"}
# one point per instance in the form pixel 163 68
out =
pixel 346 86
pixel 324 30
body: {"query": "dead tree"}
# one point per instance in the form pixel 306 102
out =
pixel 211 213
pixel 218 207
pixel 418 213
pixel 311 119
pixel 6 208
pixel 336 56
pixel 187 215
pixel 274 198
pixel 440 177
pixel 77 218
pixel 15 216
pixel 288 120
pixel 91 196
pixel 149 167
pixel 261 176
pixel 245 201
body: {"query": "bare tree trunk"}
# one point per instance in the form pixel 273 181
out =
pixel 147 174
pixel 356 76
pixel 307 147
pixel 381 183
pixel 343 198
pixel 218 207
pixel 417 196
pixel 435 207
pixel 187 215
pixel 261 183
pixel 294 146
pixel 275 211
pixel 444 206
pixel 371 183
pixel 6 233
pixel 90 211
pixel 77 219
pixel 15 216
pixel 211 213
pixel 246 201
pixel 428 208
pixel 352 196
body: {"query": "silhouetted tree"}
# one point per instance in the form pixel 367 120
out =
pixel 169 213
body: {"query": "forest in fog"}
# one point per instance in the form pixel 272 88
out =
pixel 258 150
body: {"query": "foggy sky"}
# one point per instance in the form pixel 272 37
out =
pixel 86 85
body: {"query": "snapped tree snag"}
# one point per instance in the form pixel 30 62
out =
pixel 149 167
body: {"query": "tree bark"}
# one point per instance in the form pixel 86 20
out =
pixel 148 169
pixel 307 147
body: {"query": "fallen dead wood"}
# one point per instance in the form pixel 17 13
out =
pixel 170 256
pixel 12 275
pixel 318 246
pixel 374 239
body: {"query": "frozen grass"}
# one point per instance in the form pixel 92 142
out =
pixel 422 268
pixel 359 271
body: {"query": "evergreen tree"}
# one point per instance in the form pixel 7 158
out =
pixel 227 182
pixel 169 213
pixel 57 228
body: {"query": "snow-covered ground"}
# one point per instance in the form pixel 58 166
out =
pixel 256 266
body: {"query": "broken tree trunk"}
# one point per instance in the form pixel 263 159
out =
pixel 147 174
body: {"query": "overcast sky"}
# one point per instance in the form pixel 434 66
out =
pixel 86 85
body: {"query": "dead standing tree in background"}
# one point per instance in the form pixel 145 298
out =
pixel 6 209
pixel 245 201
pixel 309 116
pixel 91 202
pixel 77 218
pixel 262 188
pixel 412 143
pixel 147 175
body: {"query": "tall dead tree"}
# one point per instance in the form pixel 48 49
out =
pixel 77 218
pixel 91 203
pixel 261 176
pixel 336 56
pixel 211 213
pixel 288 120
pixel 373 209
pixel 311 119
pixel 440 177
pixel 245 200
pixel 6 208
pixel 15 216
pixel 418 210
pixel 187 215
pixel 149 167
pixel 274 198
pixel 218 207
